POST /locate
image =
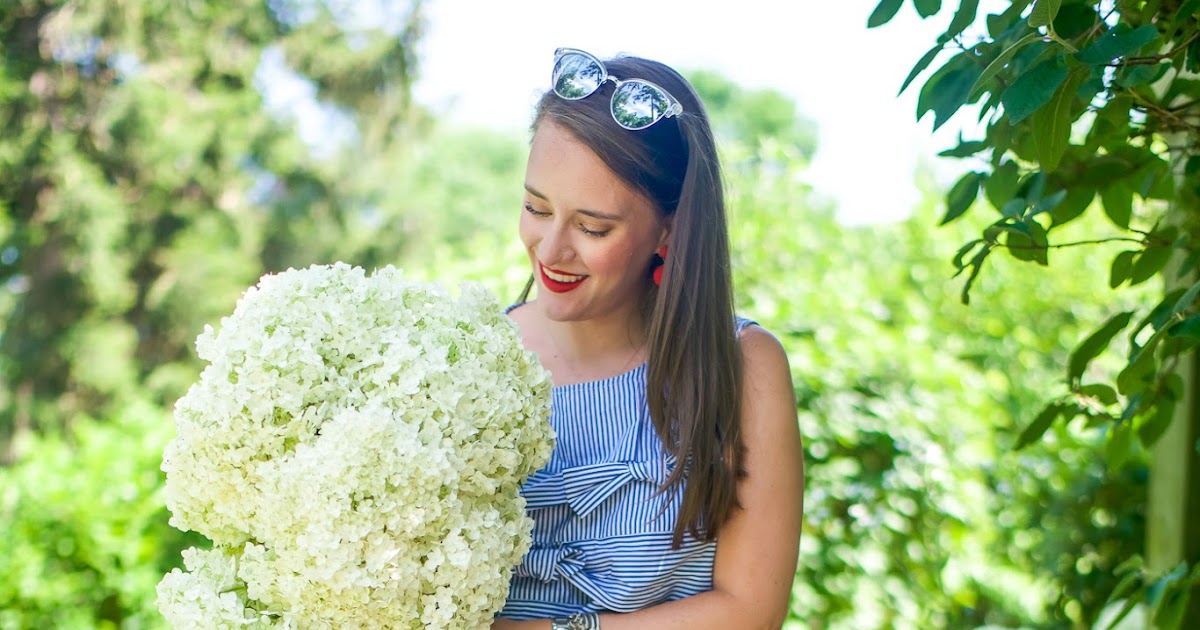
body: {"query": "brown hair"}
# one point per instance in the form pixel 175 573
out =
pixel 693 380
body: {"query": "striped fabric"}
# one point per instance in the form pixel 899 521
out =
pixel 601 538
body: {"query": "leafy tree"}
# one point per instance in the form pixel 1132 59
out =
pixel 86 534
pixel 916 514
pixel 1088 101
pixel 748 117
pixel 144 183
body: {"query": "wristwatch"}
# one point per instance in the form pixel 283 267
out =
pixel 578 621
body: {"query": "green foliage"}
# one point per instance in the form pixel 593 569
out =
pixel 749 117
pixel 86 535
pixel 1082 100
pixel 920 513
pixel 145 184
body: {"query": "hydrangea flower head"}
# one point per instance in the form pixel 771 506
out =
pixel 354 449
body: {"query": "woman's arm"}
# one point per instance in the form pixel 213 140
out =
pixel 758 546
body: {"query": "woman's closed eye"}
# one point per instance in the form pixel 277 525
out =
pixel 590 232
pixel 598 233
pixel 537 213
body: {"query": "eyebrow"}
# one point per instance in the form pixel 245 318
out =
pixel 595 214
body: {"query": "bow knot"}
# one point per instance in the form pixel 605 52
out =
pixel 584 488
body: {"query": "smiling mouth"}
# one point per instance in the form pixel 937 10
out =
pixel 558 281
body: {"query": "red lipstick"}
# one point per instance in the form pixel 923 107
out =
pixel 558 286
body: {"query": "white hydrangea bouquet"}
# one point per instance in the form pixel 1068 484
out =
pixel 354 450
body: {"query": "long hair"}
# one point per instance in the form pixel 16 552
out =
pixel 693 378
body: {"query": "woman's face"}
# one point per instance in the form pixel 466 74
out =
pixel 590 238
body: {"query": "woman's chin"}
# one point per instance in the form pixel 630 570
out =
pixel 557 308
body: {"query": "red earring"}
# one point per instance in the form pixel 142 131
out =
pixel 658 270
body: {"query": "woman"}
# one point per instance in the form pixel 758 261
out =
pixel 674 496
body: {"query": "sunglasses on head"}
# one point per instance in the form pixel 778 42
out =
pixel 636 103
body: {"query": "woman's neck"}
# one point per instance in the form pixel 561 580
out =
pixel 579 351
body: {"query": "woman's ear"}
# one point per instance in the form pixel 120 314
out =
pixel 664 235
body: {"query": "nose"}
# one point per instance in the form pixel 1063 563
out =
pixel 554 246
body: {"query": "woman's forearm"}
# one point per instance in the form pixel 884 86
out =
pixel 711 610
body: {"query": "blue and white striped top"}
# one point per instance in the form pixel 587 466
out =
pixel 601 539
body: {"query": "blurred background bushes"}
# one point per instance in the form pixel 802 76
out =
pixel 148 175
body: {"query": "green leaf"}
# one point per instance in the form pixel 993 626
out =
pixel 1032 185
pixel 1122 265
pixel 1185 299
pixel 1153 427
pixel 1074 19
pixel 1015 208
pixel 1110 126
pixel 1192 165
pixel 1118 203
pixel 961 20
pixel 1095 344
pixel 927 8
pixel 923 63
pixel 1120 445
pixel 1000 62
pixel 1173 603
pixel 1133 76
pixel 1157 318
pixel 947 90
pixel 1104 394
pixel 884 12
pixel 976 265
pixel 1157 180
pixel 1136 374
pixel 1076 202
pixel 1029 243
pixel 1133 407
pixel 1049 202
pixel 1189 327
pixel 1133 565
pixel 1033 89
pixel 1052 124
pixel 1104 170
pixel 1125 587
pixel 1117 42
pixel 963 251
pixel 1044 12
pixel 961 196
pixel 965 149
pixel 1193 56
pixel 1188 265
pixel 1040 425
pixel 1151 261
pixel 1002 184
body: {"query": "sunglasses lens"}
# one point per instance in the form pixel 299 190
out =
pixel 637 105
pixel 576 76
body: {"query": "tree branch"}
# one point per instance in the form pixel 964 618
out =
pixel 1113 239
pixel 1149 59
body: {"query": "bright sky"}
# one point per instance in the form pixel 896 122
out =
pixel 484 63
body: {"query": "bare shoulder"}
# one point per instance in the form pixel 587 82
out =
pixel 769 425
pixel 765 363
pixel 525 315
pixel 522 315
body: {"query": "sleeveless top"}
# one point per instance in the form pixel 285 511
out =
pixel 601 538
